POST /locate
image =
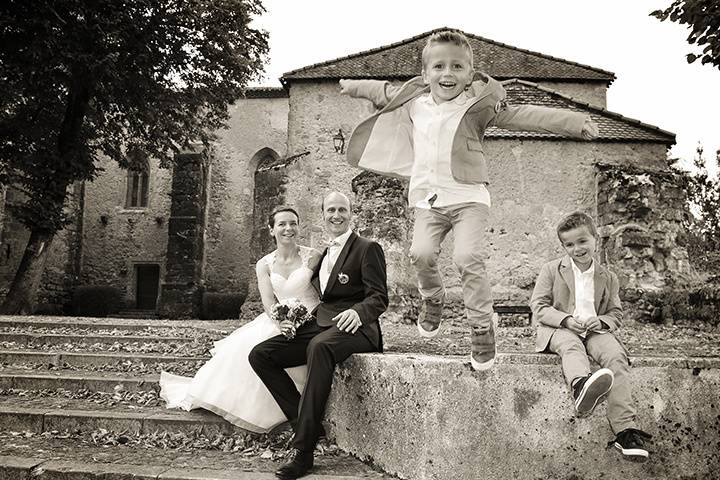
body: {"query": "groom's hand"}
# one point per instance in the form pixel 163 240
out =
pixel 348 321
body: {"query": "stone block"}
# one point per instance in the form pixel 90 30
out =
pixel 423 417
pixel 12 467
pixel 17 419
pixel 71 470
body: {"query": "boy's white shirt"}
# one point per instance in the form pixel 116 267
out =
pixel 331 257
pixel 584 292
pixel 434 127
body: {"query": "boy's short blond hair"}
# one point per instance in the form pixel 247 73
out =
pixel 576 220
pixel 448 36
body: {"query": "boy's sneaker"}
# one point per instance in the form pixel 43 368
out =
pixel 589 391
pixel 428 323
pixel 482 348
pixel 631 443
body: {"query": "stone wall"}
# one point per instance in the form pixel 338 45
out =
pixel 116 238
pixel 182 285
pixel 533 184
pixel 63 261
pixel 640 216
pixel 257 128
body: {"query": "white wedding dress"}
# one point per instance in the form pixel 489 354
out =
pixel 227 385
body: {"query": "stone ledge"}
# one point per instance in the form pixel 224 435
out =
pixel 426 417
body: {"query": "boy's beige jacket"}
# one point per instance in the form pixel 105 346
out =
pixel 383 142
pixel 553 298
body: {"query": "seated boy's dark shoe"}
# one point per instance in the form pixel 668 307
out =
pixel 428 323
pixel 631 444
pixel 297 465
pixel 590 391
pixel 482 349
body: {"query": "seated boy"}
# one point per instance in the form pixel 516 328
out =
pixel 577 306
pixel 431 130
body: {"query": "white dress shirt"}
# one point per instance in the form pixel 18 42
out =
pixel 584 292
pixel 434 127
pixel 328 261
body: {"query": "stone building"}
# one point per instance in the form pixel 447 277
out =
pixel 170 234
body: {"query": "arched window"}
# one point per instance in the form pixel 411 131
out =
pixel 138 186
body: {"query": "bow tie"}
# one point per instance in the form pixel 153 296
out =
pixel 332 243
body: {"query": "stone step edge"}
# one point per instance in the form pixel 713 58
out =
pixel 62 337
pixel 39 468
pixel 39 420
pixel 58 358
pixel 508 358
pixel 119 323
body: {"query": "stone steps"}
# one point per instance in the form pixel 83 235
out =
pixel 60 358
pixel 31 339
pixel 22 379
pixel 47 414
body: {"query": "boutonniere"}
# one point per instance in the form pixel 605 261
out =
pixel 343 278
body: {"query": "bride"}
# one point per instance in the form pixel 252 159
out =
pixel 227 384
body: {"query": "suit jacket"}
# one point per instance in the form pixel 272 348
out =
pixel 383 142
pixel 553 298
pixel 358 280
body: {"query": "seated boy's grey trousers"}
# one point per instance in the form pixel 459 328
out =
pixel 608 352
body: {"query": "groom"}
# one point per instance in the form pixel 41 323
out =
pixel 352 284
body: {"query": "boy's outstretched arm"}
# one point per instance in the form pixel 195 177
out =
pixel 379 92
pixel 541 301
pixel 534 118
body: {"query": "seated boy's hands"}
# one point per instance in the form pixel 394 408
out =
pixel 574 325
pixel 593 324
pixel 590 130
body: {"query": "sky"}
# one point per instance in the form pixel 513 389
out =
pixel 654 84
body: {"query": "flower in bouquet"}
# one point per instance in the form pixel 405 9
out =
pixel 290 310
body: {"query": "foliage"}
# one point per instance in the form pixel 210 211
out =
pixel 222 306
pixel 129 79
pixel 697 304
pixel 96 300
pixel 703 19
pixel 703 226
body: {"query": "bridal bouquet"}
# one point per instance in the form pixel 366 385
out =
pixel 290 309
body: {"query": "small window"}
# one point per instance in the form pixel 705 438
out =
pixel 137 189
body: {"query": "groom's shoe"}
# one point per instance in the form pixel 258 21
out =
pixel 297 465
pixel 428 322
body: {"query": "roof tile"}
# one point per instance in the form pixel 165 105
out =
pixel 402 60
pixel 612 126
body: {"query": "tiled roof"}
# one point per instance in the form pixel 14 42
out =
pixel 613 126
pixel 265 92
pixel 401 60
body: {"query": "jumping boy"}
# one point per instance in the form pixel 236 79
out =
pixel 431 129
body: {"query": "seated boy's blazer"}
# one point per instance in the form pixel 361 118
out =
pixel 553 298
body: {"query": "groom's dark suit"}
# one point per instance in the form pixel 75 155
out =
pixel 357 281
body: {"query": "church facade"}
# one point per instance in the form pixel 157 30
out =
pixel 165 237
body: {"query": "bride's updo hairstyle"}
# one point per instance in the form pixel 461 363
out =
pixel 281 208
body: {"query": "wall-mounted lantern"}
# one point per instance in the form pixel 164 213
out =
pixel 339 142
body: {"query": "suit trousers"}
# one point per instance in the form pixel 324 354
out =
pixel 467 222
pixel 608 352
pixel 321 348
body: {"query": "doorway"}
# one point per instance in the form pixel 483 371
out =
pixel 148 284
